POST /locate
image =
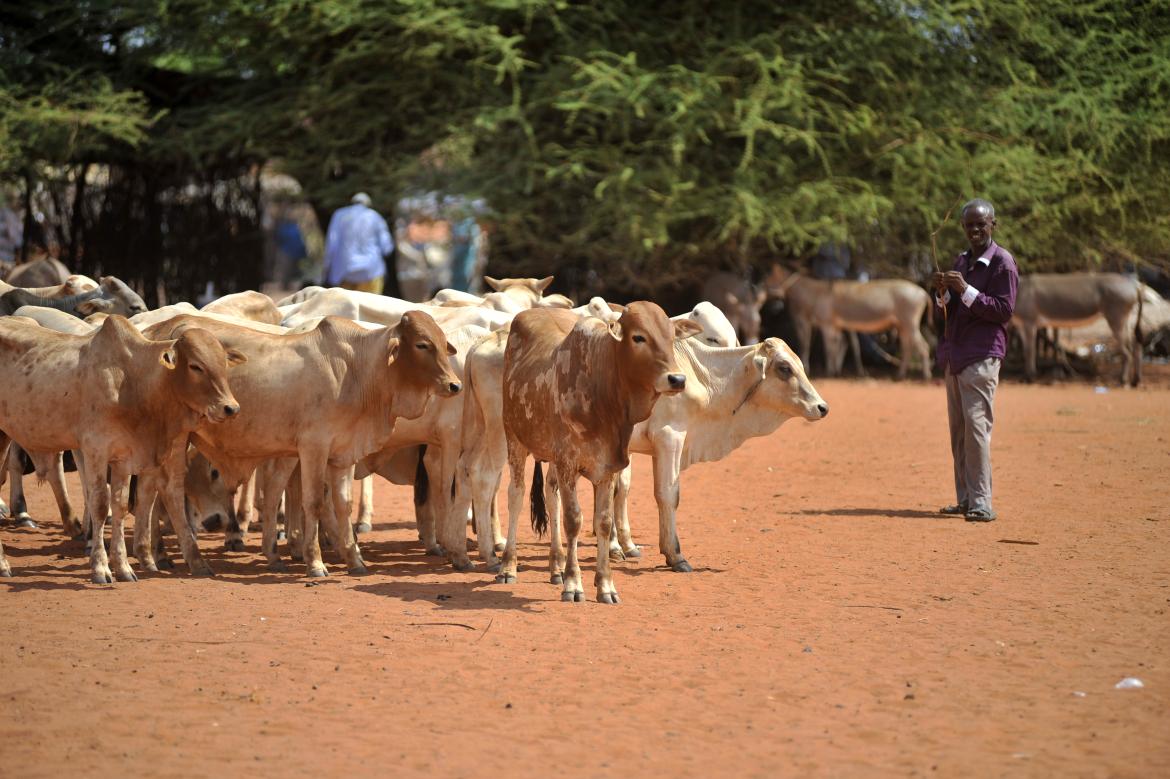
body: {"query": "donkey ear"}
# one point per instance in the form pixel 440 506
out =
pixel 615 329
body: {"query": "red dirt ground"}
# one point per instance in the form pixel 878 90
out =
pixel 835 625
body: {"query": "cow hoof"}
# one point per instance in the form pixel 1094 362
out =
pixel 608 597
pixel 73 530
pixel 462 564
pixel 281 535
pixel 633 553
pixel 363 527
pixel 234 545
pixel 359 570
pixel 616 555
pixel 573 597
pixel 318 573
pixel 682 566
pixel 101 577
pixel 278 566
pixel 127 576
pixel 201 568
pixel 556 578
pixel 165 563
pixel 506 578
pixel 435 551
pixel 151 567
pixel 24 520
pixel 5 573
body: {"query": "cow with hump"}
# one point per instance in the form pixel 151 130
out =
pixel 573 391
pixel 127 404
pixel 328 396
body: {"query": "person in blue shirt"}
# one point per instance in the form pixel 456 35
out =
pixel 356 245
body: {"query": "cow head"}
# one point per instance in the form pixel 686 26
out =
pixel 645 339
pixel 782 383
pixel 717 328
pixel 208 501
pixel 526 292
pixel 115 298
pixel 421 359
pixel 199 364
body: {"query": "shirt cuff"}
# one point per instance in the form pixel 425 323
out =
pixel 969 295
pixel 944 298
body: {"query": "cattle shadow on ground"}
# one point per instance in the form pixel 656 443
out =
pixel 15 585
pixel 877 512
pixel 456 595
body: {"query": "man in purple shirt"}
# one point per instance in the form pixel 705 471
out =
pixel 978 296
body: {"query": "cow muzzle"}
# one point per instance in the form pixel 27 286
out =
pixel 676 382
pixel 222 412
pixel 451 389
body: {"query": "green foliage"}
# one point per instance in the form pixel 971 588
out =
pixel 649 142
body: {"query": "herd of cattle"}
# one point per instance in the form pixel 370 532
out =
pixel 249 404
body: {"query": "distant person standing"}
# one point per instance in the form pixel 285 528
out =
pixel 356 245
pixel 978 296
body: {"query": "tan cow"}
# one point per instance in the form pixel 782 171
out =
pixel 128 404
pixel 329 397
pixel 834 307
pixel 573 390
pixel 1074 300
pixel 252 305
pixel 42 272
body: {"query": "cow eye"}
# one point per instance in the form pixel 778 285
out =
pixel 639 339
pixel 712 340
pixel 214 474
pixel 784 369
pixel 421 347
pixel 196 368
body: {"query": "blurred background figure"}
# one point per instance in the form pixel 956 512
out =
pixel 289 250
pixel 356 245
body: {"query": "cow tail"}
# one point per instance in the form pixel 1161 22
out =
pixel 421 481
pixel 536 502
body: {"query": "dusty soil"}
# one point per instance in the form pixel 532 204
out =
pixel 835 625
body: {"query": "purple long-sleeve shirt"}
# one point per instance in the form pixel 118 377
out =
pixel 977 320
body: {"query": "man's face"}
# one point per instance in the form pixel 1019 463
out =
pixel 978 224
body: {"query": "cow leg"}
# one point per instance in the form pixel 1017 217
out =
pixel 602 527
pixel 245 510
pixel 172 487
pixel 426 514
pixel 119 484
pixel 56 478
pixel 294 515
pixel 97 499
pixel 517 456
pixel 313 486
pixel 145 521
pixel 556 548
pixel 621 514
pixel 340 484
pixel 18 508
pixel 1130 349
pixel 573 590
pixel 365 518
pixel 5 568
pixel 452 529
pixel 668 450
pixel 276 478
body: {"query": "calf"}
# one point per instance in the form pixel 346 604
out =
pixel 126 403
pixel 573 391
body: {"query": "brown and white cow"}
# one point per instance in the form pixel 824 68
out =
pixel 573 390
pixel 329 396
pixel 126 403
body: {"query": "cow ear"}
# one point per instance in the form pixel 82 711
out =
pixel 451 350
pixel 615 329
pixel 167 359
pixel 89 307
pixel 493 283
pixel 761 363
pixel 393 349
pixel 617 308
pixel 542 285
pixel 235 357
pixel 685 328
